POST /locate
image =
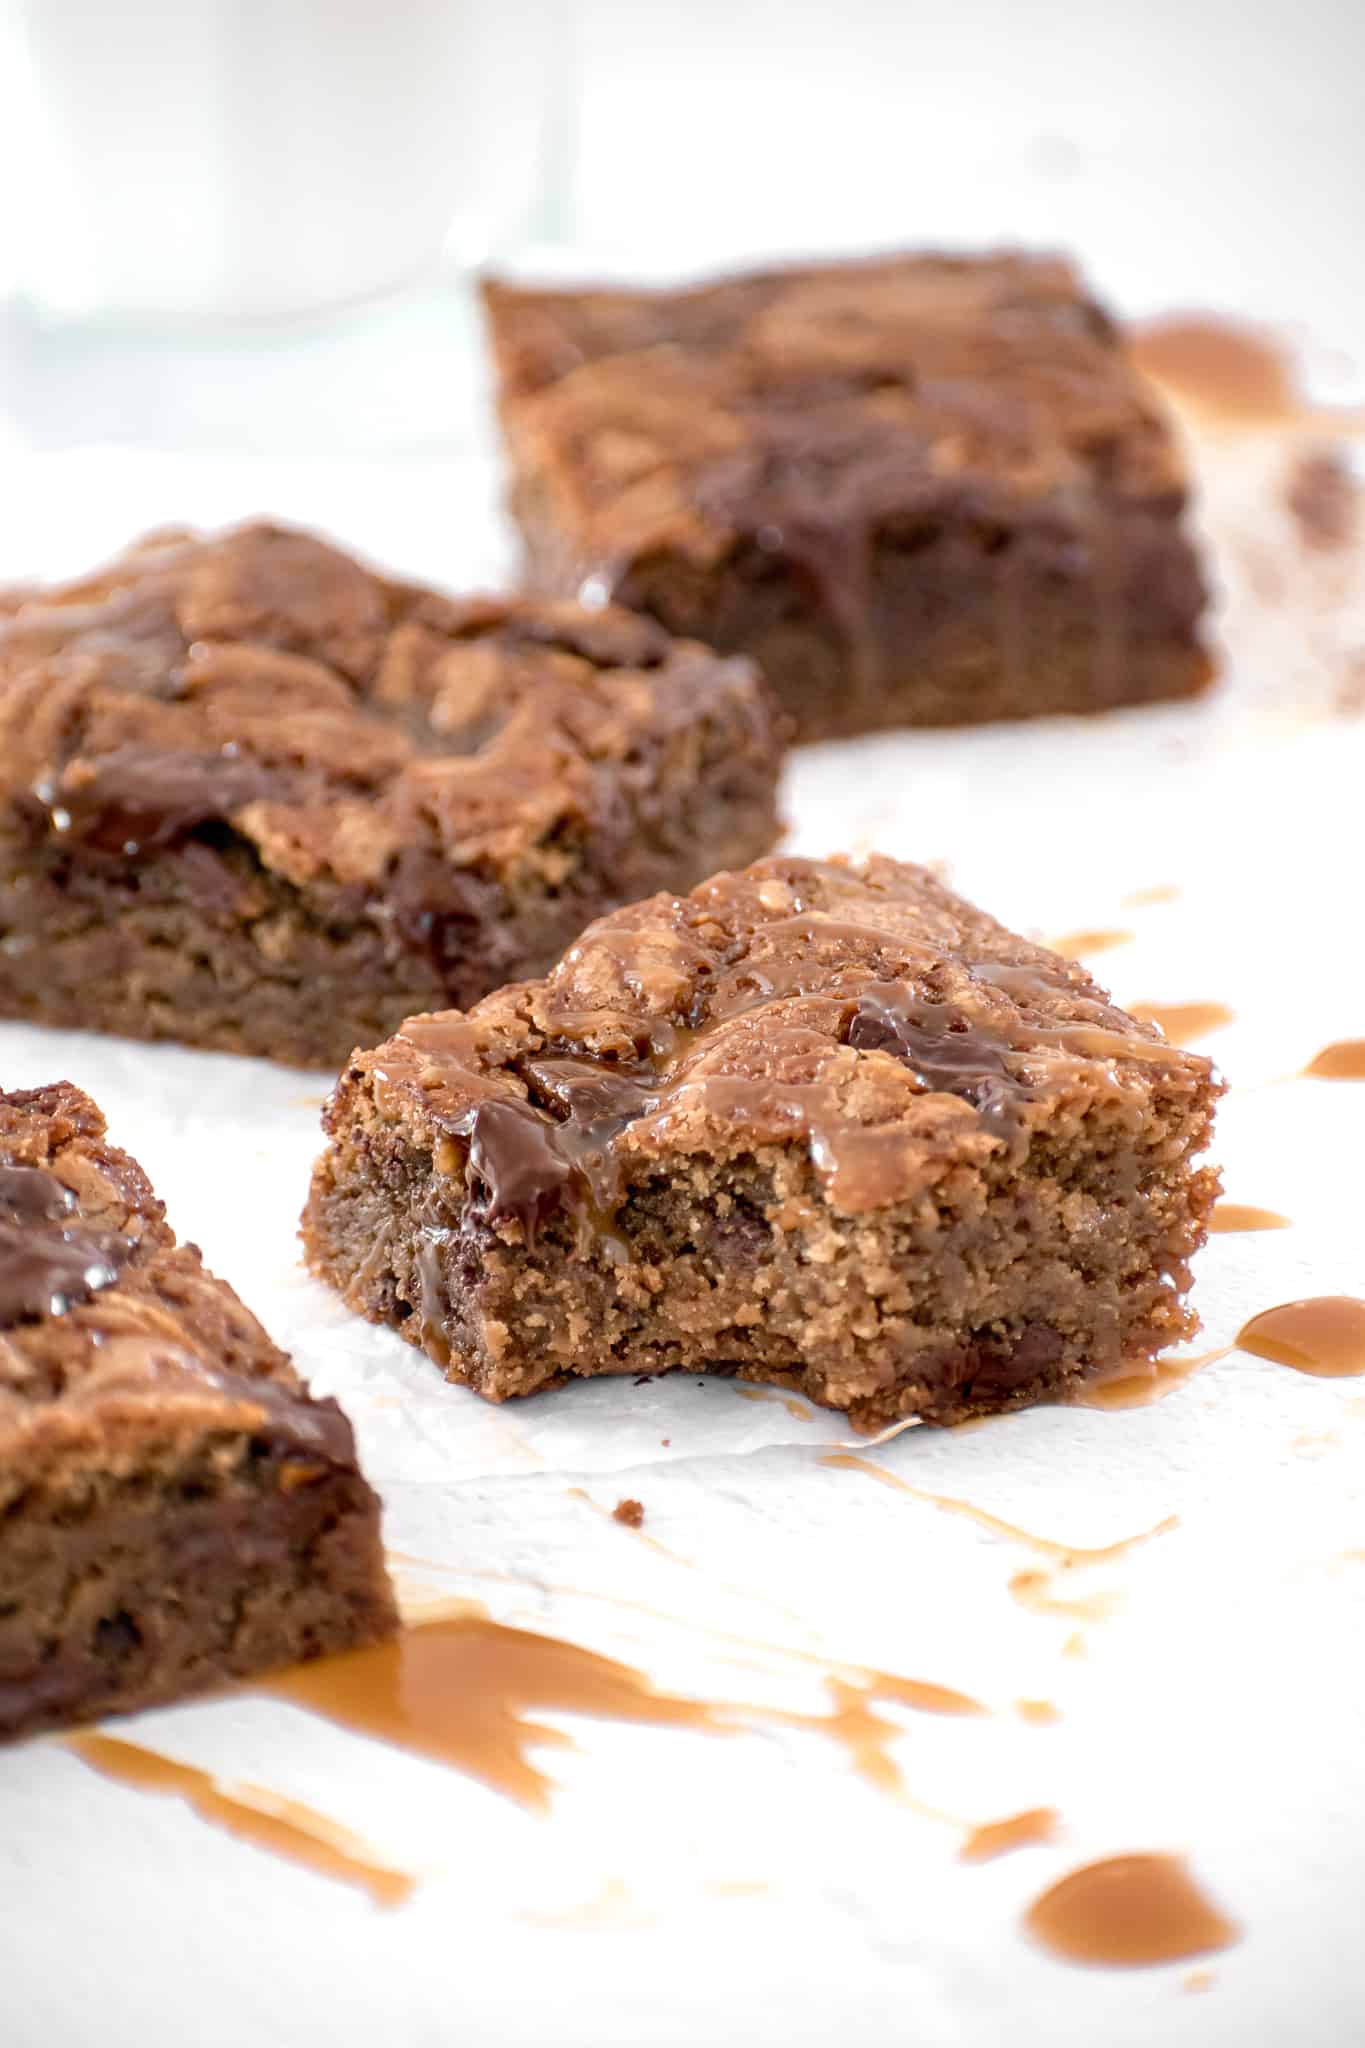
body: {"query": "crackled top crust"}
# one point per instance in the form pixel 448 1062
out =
pixel 864 1014
pixel 114 1340
pixel 895 386
pixel 353 730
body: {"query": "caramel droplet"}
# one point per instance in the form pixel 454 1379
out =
pixel 1343 1060
pixel 1237 1216
pixel 1128 1910
pixel 1160 892
pixel 1182 1022
pixel 249 1813
pixel 1324 1336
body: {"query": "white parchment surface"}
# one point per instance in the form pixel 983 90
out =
pixel 688 1890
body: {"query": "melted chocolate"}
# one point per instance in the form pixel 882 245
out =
pixel 48 1265
pixel 531 1163
pixel 136 800
pixel 946 1052
pixel 516 1153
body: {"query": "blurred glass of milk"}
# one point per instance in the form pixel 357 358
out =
pixel 224 161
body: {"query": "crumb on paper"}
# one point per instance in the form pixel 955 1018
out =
pixel 1198 1980
pixel 1323 498
pixel 628 1512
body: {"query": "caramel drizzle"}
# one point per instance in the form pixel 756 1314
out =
pixel 249 1813
pixel 1063 1553
pixel 798 1410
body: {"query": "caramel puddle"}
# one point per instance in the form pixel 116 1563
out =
pixel 1067 1553
pixel 1183 1021
pixel 1139 1389
pixel 1018 1831
pixel 1239 1216
pixel 1343 1060
pixel 1324 1336
pixel 458 1690
pixel 250 1814
pixel 1128 1910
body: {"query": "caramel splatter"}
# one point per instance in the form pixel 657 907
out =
pixel 1018 1831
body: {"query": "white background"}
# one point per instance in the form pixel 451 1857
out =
pixel 1205 154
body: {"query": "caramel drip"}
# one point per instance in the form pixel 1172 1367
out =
pixel 250 1814
pixel 1237 373
pixel 1073 945
pixel 1018 1831
pixel 798 1410
pixel 1064 1553
pixel 1324 1336
pixel 1240 1216
pixel 1183 1021
pixel 1343 1060
pixel 1128 1910
pixel 1139 1389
